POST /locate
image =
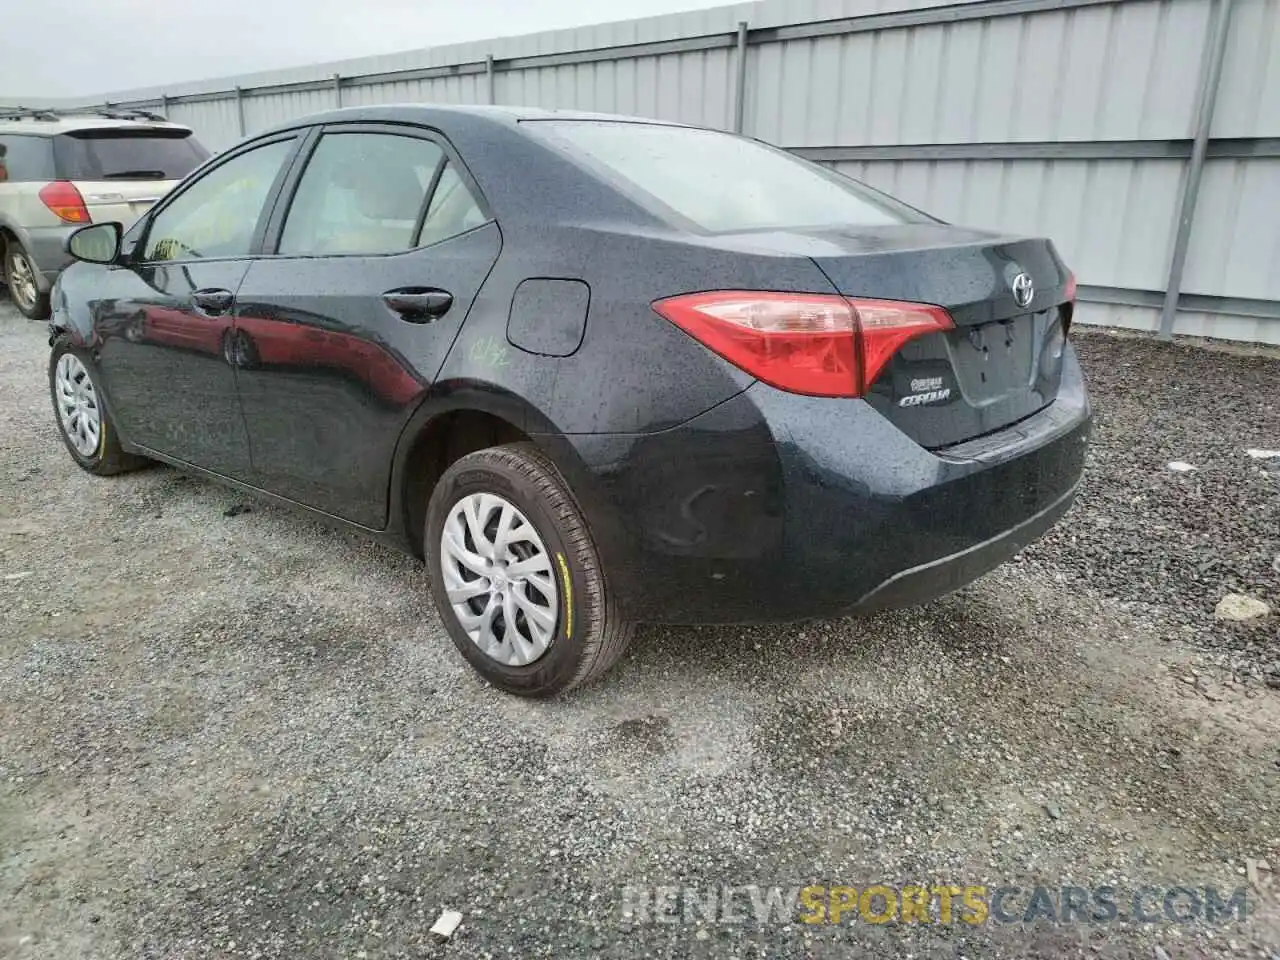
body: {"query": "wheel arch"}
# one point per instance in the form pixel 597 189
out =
pixel 459 418
pixel 10 230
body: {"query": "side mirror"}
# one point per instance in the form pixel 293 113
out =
pixel 99 243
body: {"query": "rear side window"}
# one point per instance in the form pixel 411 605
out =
pixel 364 193
pixel 127 154
pixel 722 183
pixel 453 209
pixel 25 159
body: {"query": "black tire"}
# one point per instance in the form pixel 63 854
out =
pixel 36 308
pixel 590 633
pixel 108 458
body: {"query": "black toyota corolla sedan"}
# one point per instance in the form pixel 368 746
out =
pixel 595 370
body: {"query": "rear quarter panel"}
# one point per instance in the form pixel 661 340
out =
pixel 634 372
pixel 609 413
pixel 21 208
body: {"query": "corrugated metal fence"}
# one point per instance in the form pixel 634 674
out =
pixel 1077 119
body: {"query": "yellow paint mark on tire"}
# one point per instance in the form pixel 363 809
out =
pixel 568 597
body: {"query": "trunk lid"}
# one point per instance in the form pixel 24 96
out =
pixel 1001 363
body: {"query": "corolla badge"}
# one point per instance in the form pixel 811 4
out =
pixel 1023 288
pixel 925 390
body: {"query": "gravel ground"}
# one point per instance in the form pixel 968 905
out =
pixel 249 736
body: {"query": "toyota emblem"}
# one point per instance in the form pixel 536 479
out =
pixel 1023 289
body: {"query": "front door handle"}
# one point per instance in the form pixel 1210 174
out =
pixel 213 302
pixel 418 305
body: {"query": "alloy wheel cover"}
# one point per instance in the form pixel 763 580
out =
pixel 499 577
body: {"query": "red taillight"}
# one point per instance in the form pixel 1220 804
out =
pixel 65 201
pixel 886 325
pixel 815 344
pixel 1066 311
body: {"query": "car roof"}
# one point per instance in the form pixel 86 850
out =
pixel 43 124
pixel 431 114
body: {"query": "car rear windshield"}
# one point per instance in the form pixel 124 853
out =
pixel 722 183
pixel 127 154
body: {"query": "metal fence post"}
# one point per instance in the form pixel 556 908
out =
pixel 240 108
pixel 491 87
pixel 1215 47
pixel 337 90
pixel 740 85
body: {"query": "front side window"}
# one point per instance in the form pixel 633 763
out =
pixel 217 215
pixel 361 193
pixel 722 183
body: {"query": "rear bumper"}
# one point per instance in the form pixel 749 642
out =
pixel 45 247
pixel 944 575
pixel 775 507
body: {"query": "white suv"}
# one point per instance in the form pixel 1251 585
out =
pixel 60 171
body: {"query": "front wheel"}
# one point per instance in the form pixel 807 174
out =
pixel 515 574
pixel 86 427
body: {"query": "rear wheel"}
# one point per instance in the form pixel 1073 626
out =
pixel 21 278
pixel 515 574
pixel 83 420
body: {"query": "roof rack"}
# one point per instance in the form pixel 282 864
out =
pixel 108 112
pixel 123 113
pixel 26 113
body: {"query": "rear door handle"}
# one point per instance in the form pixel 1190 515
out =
pixel 418 305
pixel 213 302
